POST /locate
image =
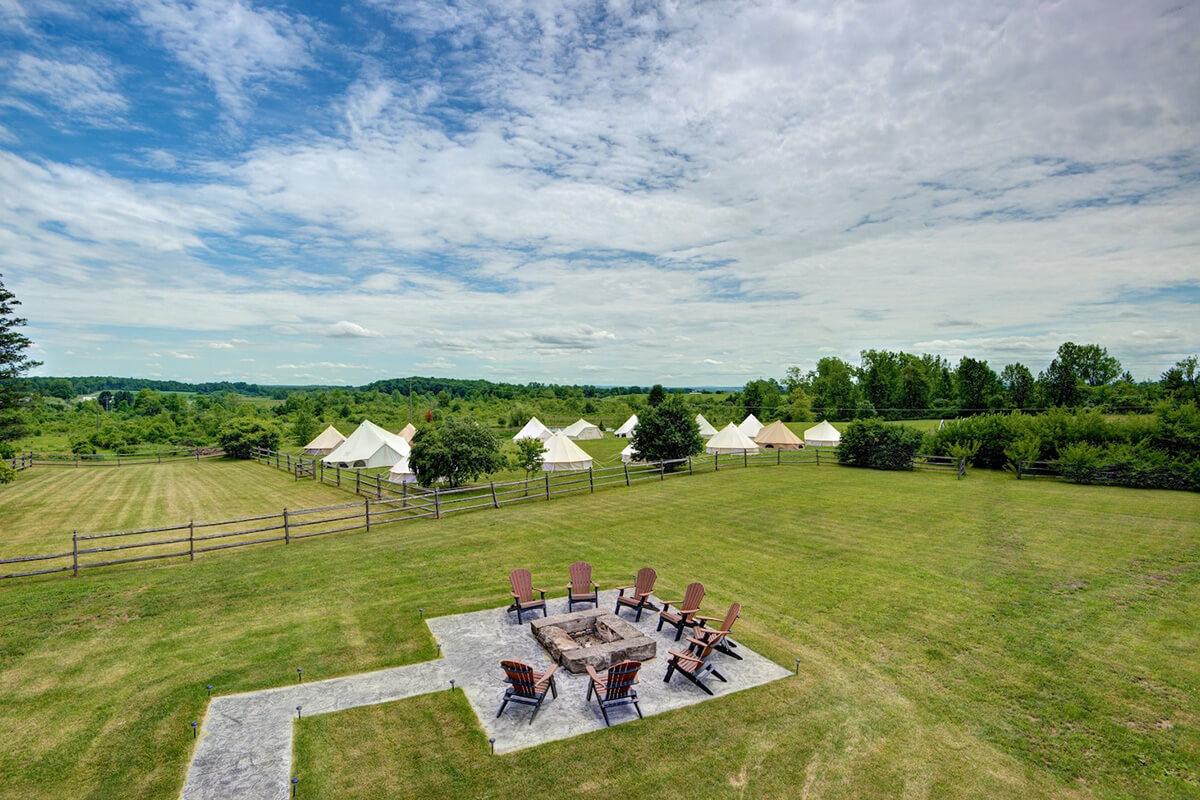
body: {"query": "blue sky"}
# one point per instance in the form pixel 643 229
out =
pixel 603 192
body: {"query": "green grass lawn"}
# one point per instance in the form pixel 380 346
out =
pixel 978 638
pixel 40 509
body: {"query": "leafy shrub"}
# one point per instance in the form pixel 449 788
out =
pixel 240 435
pixel 871 443
pixel 7 450
pixel 667 432
pixel 1027 448
pixel 7 473
pixel 458 451
pixel 1080 462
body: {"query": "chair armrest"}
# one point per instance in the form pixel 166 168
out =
pixel 622 589
pixel 667 603
pixel 543 592
pixel 684 656
pixel 515 596
pixel 550 671
pixel 595 586
pixel 709 619
pixel 688 610
pixel 591 671
pixel 694 640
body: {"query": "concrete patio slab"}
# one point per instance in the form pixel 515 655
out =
pixel 244 751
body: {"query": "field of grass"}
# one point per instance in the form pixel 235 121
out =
pixel 975 638
pixel 40 509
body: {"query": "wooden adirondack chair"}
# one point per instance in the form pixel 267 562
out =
pixel 642 590
pixel 615 688
pixel 526 686
pixel 719 637
pixel 522 592
pixel 685 610
pixel 582 589
pixel 693 664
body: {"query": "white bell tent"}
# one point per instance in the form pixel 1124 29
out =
pixel 401 472
pixel 706 428
pixel 822 435
pixel 778 436
pixel 750 426
pixel 408 433
pixel 731 440
pixel 534 429
pixel 626 430
pixel 325 442
pixel 369 446
pixel 561 455
pixel 582 429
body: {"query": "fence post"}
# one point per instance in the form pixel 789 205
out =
pixel 591 482
pixel 75 552
pixel 778 456
pixel 690 466
pixel 277 459
pixel 662 470
pixel 289 462
pixel 159 454
pixel 367 512
pixel 745 458
pixel 547 474
pixel 339 476
pixel 818 456
pixel 404 494
pixel 321 466
pixel 626 466
pixel 716 462
pixel 495 502
pixel 191 540
pixel 962 467
pixel 437 505
pixel 287 531
pixel 357 480
pixel 379 487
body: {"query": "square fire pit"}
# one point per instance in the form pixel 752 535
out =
pixel 595 637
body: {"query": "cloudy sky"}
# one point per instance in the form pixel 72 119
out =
pixel 595 192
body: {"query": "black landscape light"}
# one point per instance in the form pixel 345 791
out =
pixel 298 711
pixel 421 613
pixel 299 672
pixel 209 688
pixel 452 684
pixel 492 742
pixel 797 666
pixel 294 782
pixel 194 730
pixel 439 644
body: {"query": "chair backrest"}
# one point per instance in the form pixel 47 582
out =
pixel 701 652
pixel 692 598
pixel 581 577
pixel 621 678
pixel 520 676
pixel 645 580
pixel 731 615
pixel 522 584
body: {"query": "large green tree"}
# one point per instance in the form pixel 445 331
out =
pixel 13 364
pixel 458 451
pixel 667 432
pixel 1019 385
pixel 975 383
pixel 834 393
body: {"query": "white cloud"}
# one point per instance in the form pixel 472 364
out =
pixel 346 329
pixel 178 354
pixel 85 86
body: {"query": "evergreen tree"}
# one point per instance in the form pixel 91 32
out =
pixel 13 363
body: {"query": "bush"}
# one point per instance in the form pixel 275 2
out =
pixel 240 435
pixel 459 451
pixel 871 443
pixel 667 432
pixel 7 473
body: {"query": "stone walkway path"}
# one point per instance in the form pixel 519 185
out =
pixel 244 750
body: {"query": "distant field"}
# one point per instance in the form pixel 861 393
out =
pixel 41 508
pixel 983 638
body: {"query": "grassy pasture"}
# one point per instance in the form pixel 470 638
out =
pixel 976 638
pixel 40 509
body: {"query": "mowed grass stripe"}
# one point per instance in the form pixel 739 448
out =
pixel 947 645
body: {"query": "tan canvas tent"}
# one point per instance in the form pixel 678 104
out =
pixel 822 435
pixel 706 428
pixel 561 454
pixel 408 433
pixel 369 446
pixel 534 429
pixel 750 426
pixel 731 440
pixel 778 436
pixel 582 429
pixel 401 472
pixel 626 429
pixel 324 443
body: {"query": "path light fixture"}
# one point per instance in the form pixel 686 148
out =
pixel 797 666
pixel 421 613
pixel 194 730
pixel 298 711
pixel 492 742
pixel 294 782
pixel 299 672
pixel 452 684
pixel 209 688
pixel 439 644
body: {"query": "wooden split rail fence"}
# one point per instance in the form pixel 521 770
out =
pixel 27 460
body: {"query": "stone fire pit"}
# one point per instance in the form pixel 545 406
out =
pixel 599 638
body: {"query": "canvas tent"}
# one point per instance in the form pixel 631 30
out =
pixel 534 429
pixel 706 428
pixel 408 433
pixel 750 426
pixel 626 430
pixel 778 436
pixel 324 443
pixel 582 429
pixel 402 472
pixel 731 440
pixel 561 454
pixel 369 446
pixel 822 435
pixel 627 454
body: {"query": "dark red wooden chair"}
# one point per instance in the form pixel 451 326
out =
pixel 582 589
pixel 642 589
pixel 522 592
pixel 685 610
pixel 693 664
pixel 615 688
pixel 526 686
pixel 719 637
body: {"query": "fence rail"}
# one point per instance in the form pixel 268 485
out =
pixel 33 459
pixel 382 502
